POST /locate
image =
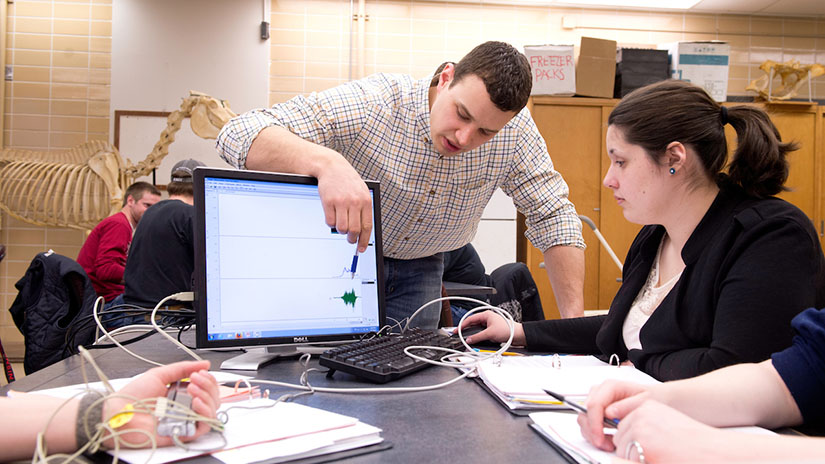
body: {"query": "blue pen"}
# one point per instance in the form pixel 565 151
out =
pixel 608 422
pixel 354 263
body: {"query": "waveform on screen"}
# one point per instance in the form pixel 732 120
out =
pixel 345 272
pixel 349 298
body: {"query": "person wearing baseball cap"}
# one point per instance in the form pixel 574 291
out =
pixel 162 256
pixel 180 183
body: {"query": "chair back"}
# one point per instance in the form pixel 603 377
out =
pixel 53 309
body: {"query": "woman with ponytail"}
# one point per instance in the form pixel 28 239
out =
pixel 720 267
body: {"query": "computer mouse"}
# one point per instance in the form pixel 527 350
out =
pixel 472 330
pixel 469 331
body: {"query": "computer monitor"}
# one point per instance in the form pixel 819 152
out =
pixel 269 271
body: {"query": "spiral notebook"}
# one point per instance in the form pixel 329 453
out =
pixel 518 382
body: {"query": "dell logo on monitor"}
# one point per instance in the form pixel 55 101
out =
pixel 300 339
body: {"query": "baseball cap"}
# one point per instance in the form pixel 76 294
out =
pixel 182 170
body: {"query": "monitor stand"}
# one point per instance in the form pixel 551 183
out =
pixel 255 358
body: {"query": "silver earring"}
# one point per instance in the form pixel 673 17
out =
pixel 672 171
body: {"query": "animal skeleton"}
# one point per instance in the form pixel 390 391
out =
pixel 792 74
pixel 82 186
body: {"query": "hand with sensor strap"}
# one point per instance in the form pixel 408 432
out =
pixel 29 417
pixel 202 388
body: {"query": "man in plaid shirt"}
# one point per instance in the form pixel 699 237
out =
pixel 440 147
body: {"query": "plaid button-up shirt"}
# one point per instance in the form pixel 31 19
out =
pixel 429 203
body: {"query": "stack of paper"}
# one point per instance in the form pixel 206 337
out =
pixel 562 431
pixel 275 433
pixel 257 429
pixel 519 381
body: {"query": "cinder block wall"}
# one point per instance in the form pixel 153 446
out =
pixel 59 98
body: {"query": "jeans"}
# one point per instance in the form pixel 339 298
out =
pixel 458 312
pixel 113 321
pixel 409 283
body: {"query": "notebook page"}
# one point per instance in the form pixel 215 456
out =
pixel 528 376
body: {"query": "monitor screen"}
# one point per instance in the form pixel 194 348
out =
pixel 270 271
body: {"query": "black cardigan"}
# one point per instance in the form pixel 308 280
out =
pixel 751 265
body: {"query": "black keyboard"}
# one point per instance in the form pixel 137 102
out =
pixel 382 359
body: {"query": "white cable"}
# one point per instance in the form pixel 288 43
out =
pixel 183 296
pixel 508 318
pixel 103 431
pixel 99 302
pixel 84 354
pixel 363 390
pixel 415 313
pixel 445 361
pixel 130 329
pixel 469 366
pixel 475 357
pixel 397 323
pixel 483 304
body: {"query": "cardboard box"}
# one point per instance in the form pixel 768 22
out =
pixel 638 67
pixel 702 63
pixel 596 68
pixel 553 69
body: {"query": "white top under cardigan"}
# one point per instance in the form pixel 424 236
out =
pixel 649 298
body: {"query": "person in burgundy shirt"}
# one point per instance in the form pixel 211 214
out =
pixel 103 255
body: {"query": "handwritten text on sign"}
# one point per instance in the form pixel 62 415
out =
pixel 550 67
